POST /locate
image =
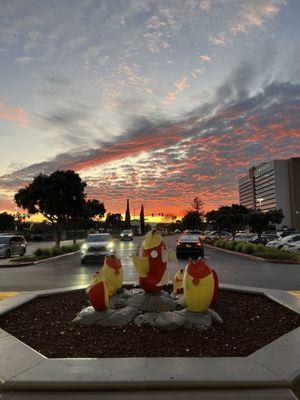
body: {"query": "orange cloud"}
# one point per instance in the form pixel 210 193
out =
pixel 206 58
pixel 13 114
pixel 181 84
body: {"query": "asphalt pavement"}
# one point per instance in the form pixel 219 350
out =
pixel 68 271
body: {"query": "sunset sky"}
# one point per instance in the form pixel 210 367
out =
pixel 155 101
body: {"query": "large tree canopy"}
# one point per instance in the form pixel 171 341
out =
pixel 60 198
pixel 6 221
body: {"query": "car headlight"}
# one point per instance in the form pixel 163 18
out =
pixel 111 245
pixel 122 234
pixel 84 246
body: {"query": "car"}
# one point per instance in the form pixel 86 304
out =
pixel 288 232
pixel 97 246
pixel 292 247
pixel 189 245
pixel 126 235
pixel 214 235
pixel 264 238
pixel 279 243
pixel 11 245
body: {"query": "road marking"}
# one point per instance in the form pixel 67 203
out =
pixel 295 293
pixel 4 295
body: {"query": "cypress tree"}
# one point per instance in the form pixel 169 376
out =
pixel 127 216
pixel 142 220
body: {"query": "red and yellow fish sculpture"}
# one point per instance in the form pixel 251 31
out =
pixel 98 292
pixel 178 282
pixel 113 274
pixel 200 286
pixel 151 263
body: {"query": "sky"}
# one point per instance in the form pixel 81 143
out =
pixel 156 101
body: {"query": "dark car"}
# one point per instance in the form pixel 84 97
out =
pixel 189 245
pixel 264 239
pixel 127 235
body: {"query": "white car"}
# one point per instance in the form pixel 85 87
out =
pixel 97 246
pixel 293 247
pixel 279 243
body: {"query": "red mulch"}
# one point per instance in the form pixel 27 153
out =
pixel 250 322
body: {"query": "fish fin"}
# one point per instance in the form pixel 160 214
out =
pixel 141 264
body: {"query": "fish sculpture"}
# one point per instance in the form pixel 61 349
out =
pixel 178 282
pixel 98 292
pixel 151 262
pixel 113 274
pixel 216 287
pixel 198 285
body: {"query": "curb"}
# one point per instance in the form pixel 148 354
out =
pixel 253 258
pixel 26 264
pixel 273 368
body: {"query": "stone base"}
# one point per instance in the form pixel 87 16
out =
pixel 156 309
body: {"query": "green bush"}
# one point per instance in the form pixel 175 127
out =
pixel 43 251
pixel 248 248
pixel 278 255
pixel 218 242
pixel 239 246
pixel 230 244
pixel 53 251
pixel 259 248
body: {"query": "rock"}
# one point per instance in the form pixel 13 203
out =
pixel 215 316
pixel 89 316
pixel 119 317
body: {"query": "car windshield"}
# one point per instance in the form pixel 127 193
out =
pixel 127 232
pixel 4 240
pixel 98 238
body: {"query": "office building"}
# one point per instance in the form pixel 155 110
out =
pixel 274 184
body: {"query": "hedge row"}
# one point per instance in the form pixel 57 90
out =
pixel 258 250
pixel 45 252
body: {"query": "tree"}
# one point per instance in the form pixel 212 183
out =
pixel 127 216
pixel 260 221
pixel 142 220
pixel 191 220
pixel 113 221
pixel 59 197
pixel 6 221
pixel 197 205
pixel 233 218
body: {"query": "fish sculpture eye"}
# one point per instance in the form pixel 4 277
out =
pixel 154 254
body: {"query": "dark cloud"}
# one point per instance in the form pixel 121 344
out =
pixel 202 152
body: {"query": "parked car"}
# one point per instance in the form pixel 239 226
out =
pixel 288 232
pixel 11 245
pixel 97 246
pixel 293 247
pixel 264 238
pixel 127 235
pixel 212 236
pixel 279 243
pixel 177 231
pixel 189 245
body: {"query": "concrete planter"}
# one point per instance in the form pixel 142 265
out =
pixel 271 372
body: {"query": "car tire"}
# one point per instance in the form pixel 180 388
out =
pixel 280 247
pixel 208 240
pixel 83 261
pixel 22 252
pixel 7 254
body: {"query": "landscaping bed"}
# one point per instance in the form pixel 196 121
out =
pixel 257 250
pixel 250 322
pixel 43 253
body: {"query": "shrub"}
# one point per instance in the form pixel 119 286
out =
pixel 230 245
pixel 247 248
pixel 43 251
pixel 239 246
pixel 278 255
pixel 260 248
pixel 217 243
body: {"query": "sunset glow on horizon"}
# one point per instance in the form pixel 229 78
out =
pixel 155 101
